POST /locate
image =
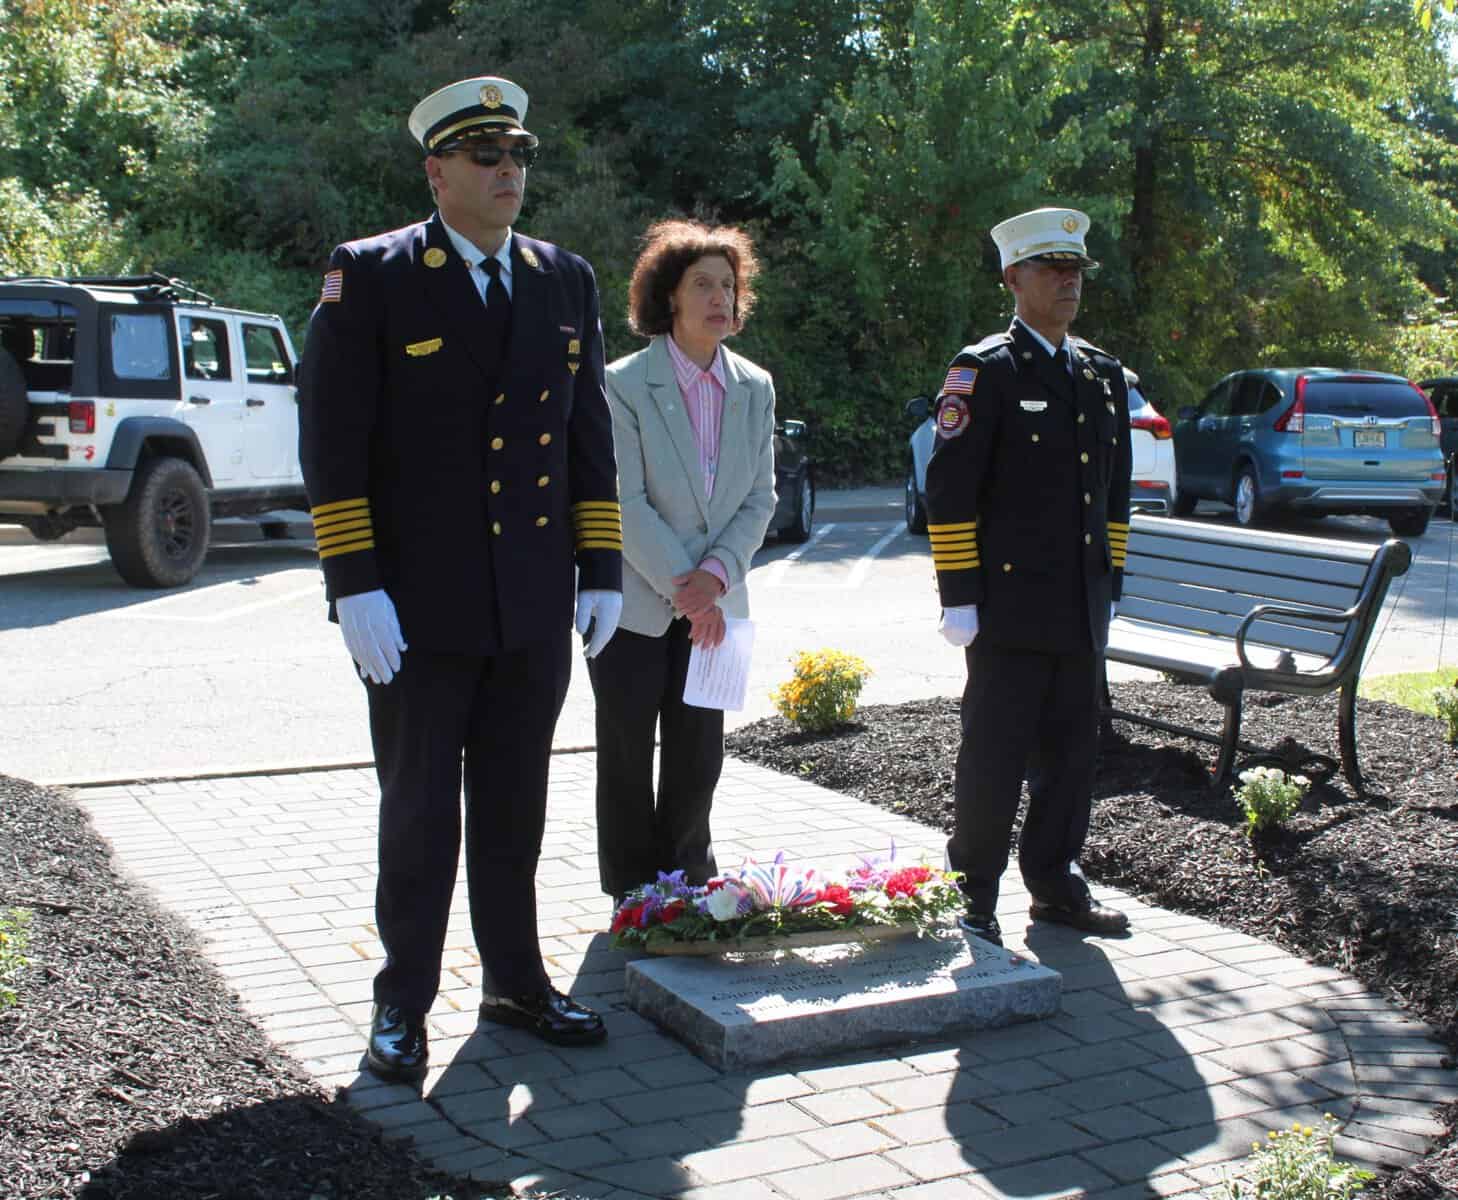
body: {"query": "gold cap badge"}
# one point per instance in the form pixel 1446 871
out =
pixel 435 257
pixel 491 96
pixel 1069 224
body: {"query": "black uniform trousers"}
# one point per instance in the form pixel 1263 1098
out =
pixel 496 714
pixel 638 682
pixel 1034 712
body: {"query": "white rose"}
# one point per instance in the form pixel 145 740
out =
pixel 723 903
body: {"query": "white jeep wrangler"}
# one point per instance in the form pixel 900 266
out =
pixel 139 405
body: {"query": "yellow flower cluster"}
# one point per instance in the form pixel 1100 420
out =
pixel 823 690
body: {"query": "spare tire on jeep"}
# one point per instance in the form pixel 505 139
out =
pixel 14 407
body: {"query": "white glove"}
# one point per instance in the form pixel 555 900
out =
pixel 959 624
pixel 598 611
pixel 371 633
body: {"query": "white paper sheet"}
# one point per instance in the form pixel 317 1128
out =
pixel 719 678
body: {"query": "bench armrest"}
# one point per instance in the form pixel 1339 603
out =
pixel 1306 614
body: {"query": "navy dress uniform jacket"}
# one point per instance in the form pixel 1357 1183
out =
pixel 1027 492
pixel 465 485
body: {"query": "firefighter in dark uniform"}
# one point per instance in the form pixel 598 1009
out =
pixel 1027 498
pixel 457 448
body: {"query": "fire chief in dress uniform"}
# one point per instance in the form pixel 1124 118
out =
pixel 457 449
pixel 1027 499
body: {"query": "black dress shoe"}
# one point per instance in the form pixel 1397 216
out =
pixel 399 1050
pixel 1093 918
pixel 983 925
pixel 549 1014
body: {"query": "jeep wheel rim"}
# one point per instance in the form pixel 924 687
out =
pixel 176 525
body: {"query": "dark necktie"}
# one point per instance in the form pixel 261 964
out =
pixel 498 306
pixel 1060 369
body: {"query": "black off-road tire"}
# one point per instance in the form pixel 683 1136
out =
pixel 14 407
pixel 158 535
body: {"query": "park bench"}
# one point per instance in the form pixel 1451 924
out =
pixel 1241 610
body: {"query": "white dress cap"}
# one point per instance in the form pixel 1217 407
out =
pixel 1051 233
pixel 469 107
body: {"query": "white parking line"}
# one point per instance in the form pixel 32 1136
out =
pixel 217 594
pixel 777 569
pixel 825 580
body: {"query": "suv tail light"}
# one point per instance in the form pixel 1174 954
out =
pixel 1155 424
pixel 1432 412
pixel 1293 420
pixel 82 414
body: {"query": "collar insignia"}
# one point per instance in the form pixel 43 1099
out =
pixel 529 256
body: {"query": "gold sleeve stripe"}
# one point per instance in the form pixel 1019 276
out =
pixel 958 527
pixel 597 506
pixel 1124 525
pixel 594 544
pixel 971 562
pixel 335 525
pixel 360 502
pixel 347 548
pixel 961 539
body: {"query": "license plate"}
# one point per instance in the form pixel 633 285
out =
pixel 1369 437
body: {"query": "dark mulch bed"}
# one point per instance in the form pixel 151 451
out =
pixel 1369 886
pixel 129 1071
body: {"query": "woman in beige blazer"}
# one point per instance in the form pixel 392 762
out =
pixel 693 429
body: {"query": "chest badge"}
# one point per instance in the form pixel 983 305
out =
pixel 1033 405
pixel 435 257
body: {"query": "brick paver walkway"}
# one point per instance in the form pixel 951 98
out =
pixel 1175 1049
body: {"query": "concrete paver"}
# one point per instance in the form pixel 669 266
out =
pixel 1176 1047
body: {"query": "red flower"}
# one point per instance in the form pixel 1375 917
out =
pixel 906 881
pixel 838 897
pixel 626 917
pixel 671 912
pixel 714 884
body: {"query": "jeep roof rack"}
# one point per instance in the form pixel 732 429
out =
pixel 152 286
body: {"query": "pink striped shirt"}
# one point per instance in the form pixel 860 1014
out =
pixel 703 400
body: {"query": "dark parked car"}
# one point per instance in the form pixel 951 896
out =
pixel 1443 393
pixel 1312 440
pixel 794 483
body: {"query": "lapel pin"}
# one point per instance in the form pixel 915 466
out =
pixel 435 257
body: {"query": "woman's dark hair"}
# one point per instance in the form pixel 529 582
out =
pixel 669 249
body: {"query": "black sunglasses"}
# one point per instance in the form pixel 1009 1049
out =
pixel 488 154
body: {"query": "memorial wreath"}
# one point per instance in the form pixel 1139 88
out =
pixel 767 904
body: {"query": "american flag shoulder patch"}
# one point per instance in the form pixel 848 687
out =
pixel 960 381
pixel 333 287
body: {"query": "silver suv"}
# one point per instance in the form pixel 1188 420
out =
pixel 1313 440
pixel 139 405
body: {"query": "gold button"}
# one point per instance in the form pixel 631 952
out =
pixel 1080 418
pixel 497 443
pixel 495 526
pixel 543 397
pixel 1007 566
pixel 501 399
pixel 1087 499
pixel 495 486
pixel 1035 437
pixel 1113 441
pixel 1088 539
pixel 543 480
pixel 545 439
pixel 541 521
pixel 1083 458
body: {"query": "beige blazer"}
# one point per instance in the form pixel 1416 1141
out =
pixel 669 526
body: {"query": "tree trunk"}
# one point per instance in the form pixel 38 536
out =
pixel 1142 220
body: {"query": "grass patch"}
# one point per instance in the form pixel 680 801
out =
pixel 1413 689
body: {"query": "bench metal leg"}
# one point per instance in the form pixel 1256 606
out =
pixel 1347 734
pixel 1229 743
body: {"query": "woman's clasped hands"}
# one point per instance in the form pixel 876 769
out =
pixel 696 597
